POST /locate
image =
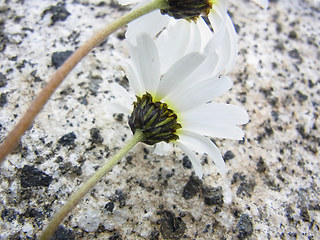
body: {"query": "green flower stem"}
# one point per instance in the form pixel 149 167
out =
pixel 25 122
pixel 76 197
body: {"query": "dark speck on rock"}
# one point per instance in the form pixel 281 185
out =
pixel 32 177
pixel 119 117
pixel 3 80
pixel 109 206
pixel 154 235
pixel 261 165
pixel 63 234
pixel 228 155
pixel 96 136
pixel 3 99
pixel 58 58
pixel 279 47
pixel 172 227
pixel 116 236
pixel 121 197
pixel 238 176
pixel 213 196
pixel 310 84
pixel 292 35
pixel 83 100
pixel 59 13
pixel 67 139
pixel 246 186
pixel 8 215
pixel 304 214
pixel 192 187
pixel 244 227
pixel 301 97
pixel 65 167
pixel 94 84
pixel 186 162
pixel 289 214
pixel 295 54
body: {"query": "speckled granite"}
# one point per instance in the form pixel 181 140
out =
pixel 273 172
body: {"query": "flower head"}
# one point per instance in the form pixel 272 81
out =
pixel 180 100
pixel 189 10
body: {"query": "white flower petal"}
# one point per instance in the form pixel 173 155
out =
pixel 229 47
pixel 199 93
pixel 215 131
pixel 123 100
pixel 219 26
pixel 149 62
pixel 178 73
pixel 218 113
pixel 193 158
pixel 134 77
pixel 207 69
pixel 195 38
pixel 151 23
pixel 201 145
pixel 173 42
pixel 115 107
pixel 262 3
pixel 215 120
pixel 205 32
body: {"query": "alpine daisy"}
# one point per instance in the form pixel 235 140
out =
pixel 176 106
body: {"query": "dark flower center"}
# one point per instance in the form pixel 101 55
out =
pixel 157 122
pixel 190 10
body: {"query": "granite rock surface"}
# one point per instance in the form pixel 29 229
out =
pixel 273 173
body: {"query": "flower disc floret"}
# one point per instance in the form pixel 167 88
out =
pixel 188 9
pixel 157 122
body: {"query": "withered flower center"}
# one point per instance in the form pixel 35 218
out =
pixel 157 122
pixel 190 10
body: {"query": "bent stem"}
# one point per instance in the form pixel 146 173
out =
pixel 76 197
pixel 25 122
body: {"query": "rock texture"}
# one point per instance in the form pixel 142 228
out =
pixel 273 173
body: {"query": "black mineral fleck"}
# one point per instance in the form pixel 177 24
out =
pixel 228 155
pixel 213 196
pixel 154 235
pixel 304 214
pixel 109 206
pixel 244 226
pixel 116 236
pixel 192 187
pixel 3 99
pixel 246 187
pixel 67 139
pixel 58 13
pixel 63 234
pixel 3 80
pixel 58 58
pixel 186 162
pixel 172 227
pixel 8 215
pixel 289 213
pixel 96 136
pixel 33 177
pixel 120 197
pixel 301 97
pixel 261 165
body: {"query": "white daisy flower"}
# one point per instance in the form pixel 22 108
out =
pixel 153 23
pixel 176 106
